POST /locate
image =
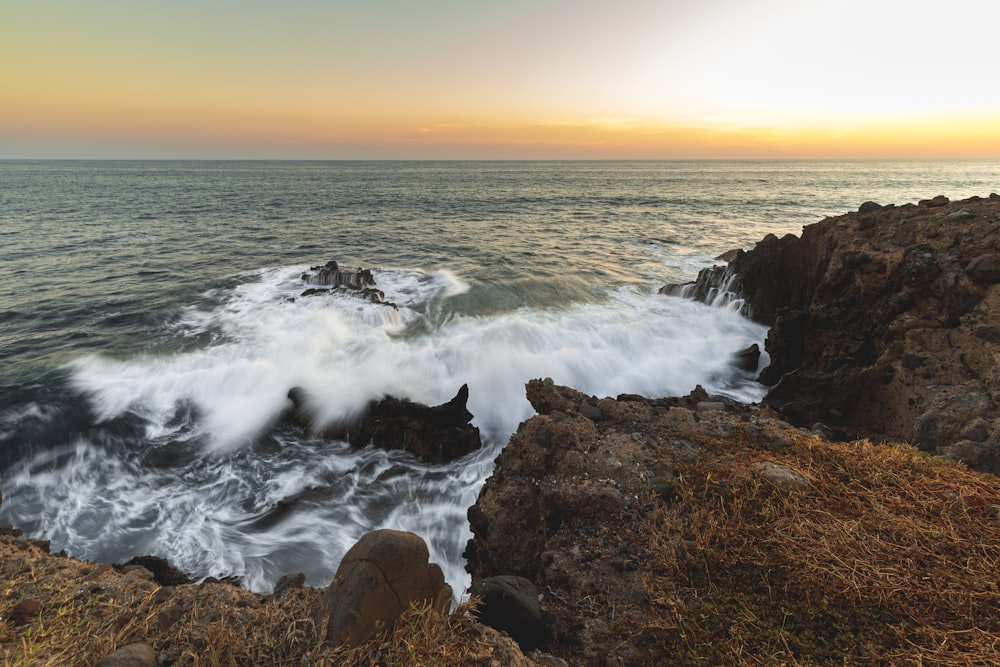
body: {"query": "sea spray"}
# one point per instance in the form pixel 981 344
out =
pixel 220 485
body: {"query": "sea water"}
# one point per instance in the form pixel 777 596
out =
pixel 151 326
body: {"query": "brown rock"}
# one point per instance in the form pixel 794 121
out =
pixel 865 323
pixel 510 603
pixel 24 611
pixel 985 268
pixel 139 654
pixel 377 580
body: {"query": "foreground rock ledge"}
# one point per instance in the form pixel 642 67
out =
pixel 664 532
pixel 627 531
pixel 885 323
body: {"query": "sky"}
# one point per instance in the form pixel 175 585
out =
pixel 514 79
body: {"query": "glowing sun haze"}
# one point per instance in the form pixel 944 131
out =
pixel 473 79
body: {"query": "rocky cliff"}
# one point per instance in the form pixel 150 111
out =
pixel 883 323
pixel 694 531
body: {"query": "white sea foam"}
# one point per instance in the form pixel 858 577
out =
pixel 220 516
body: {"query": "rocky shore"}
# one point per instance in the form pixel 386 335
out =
pixel 883 323
pixel 639 531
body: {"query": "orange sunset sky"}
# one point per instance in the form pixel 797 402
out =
pixel 467 79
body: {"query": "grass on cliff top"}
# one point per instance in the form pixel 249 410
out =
pixel 85 612
pixel 887 557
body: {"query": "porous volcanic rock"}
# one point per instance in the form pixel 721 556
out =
pixel 882 323
pixel 564 502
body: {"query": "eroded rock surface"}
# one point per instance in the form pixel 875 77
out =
pixel 563 506
pixel 883 323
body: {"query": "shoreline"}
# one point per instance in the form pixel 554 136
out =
pixel 641 521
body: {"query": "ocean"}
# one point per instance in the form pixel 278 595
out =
pixel 151 326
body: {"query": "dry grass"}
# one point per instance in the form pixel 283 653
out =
pixel 88 611
pixel 888 556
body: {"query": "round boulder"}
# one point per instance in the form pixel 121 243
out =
pixel 378 579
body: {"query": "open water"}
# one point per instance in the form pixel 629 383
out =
pixel 149 331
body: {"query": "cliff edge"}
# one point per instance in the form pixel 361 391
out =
pixel 883 323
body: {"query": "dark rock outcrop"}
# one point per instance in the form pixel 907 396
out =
pixel 161 570
pixel 880 323
pixel 510 603
pixel 378 578
pixel 330 277
pixel 435 434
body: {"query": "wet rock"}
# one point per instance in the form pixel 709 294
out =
pixel 510 604
pixel 139 654
pixel 868 207
pixel 378 579
pixel 749 358
pixel 963 214
pixel 331 278
pixel 331 275
pixel 729 255
pixel 435 434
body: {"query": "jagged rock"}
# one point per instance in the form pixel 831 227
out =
pixel 510 603
pixel 331 277
pixel 748 358
pixel 378 578
pixel 868 310
pixel 139 654
pixel 729 255
pixel 435 434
